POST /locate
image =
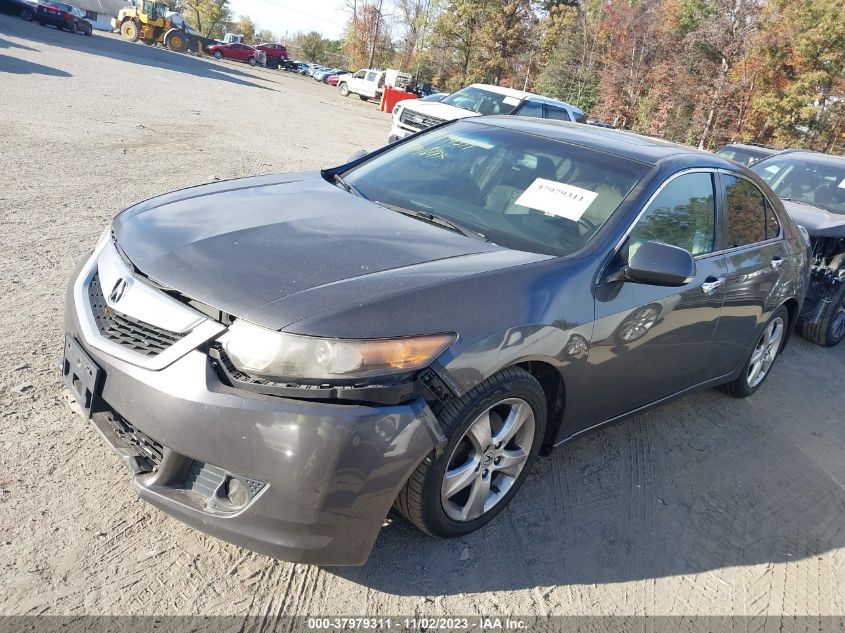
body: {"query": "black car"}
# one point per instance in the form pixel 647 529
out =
pixel 812 187
pixel 281 359
pixel 63 16
pixel 23 8
pixel 746 153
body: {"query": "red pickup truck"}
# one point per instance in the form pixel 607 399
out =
pixel 277 54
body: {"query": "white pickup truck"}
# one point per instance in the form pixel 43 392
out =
pixel 368 83
pixel 413 115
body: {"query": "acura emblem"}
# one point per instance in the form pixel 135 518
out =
pixel 118 290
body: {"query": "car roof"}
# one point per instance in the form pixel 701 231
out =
pixel 522 94
pixel 752 147
pixel 812 157
pixel 638 147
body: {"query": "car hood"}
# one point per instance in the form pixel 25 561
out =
pixel 437 109
pixel 254 247
pixel 817 221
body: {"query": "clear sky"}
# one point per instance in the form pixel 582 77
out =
pixel 327 17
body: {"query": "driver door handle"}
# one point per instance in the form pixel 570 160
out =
pixel 777 262
pixel 711 284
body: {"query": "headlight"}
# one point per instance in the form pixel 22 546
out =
pixel 397 109
pixel 267 353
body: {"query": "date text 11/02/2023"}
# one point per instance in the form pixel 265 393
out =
pixel 418 623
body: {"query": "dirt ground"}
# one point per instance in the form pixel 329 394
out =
pixel 706 506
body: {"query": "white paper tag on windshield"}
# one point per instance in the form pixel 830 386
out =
pixel 557 198
pixel 511 101
pixel 773 169
pixel 842 184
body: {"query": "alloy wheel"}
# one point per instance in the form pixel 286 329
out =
pixel 488 459
pixel 766 351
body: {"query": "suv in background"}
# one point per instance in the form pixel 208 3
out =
pixel 746 153
pixel 413 115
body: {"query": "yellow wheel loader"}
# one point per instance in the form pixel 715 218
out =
pixel 150 23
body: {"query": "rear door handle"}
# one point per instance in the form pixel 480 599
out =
pixel 777 262
pixel 711 284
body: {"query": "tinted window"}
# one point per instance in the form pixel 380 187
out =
pixel 745 212
pixel 559 114
pixel 482 101
pixel 475 175
pixel 531 108
pixel 683 214
pixel 581 118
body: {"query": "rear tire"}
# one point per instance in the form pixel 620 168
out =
pixel 251 61
pixel 175 41
pixel 762 358
pixel 363 97
pixel 830 328
pixel 27 14
pixel 475 477
pixel 73 28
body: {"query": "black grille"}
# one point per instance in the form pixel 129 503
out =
pixel 147 446
pixel 204 478
pixel 140 337
pixel 417 120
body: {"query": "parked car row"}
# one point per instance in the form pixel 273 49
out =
pixel 63 16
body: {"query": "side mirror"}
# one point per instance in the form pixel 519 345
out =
pixel 360 153
pixel 658 264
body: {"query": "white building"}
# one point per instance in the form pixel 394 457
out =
pixel 100 12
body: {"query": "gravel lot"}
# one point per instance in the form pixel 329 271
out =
pixel 706 506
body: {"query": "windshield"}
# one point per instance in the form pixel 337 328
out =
pixel 521 191
pixel 482 101
pixel 820 183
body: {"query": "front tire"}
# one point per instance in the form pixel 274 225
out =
pixel 494 435
pixel 218 55
pixel 130 31
pixel 344 90
pixel 830 328
pixel 762 357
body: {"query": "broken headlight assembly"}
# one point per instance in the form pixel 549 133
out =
pixel 277 356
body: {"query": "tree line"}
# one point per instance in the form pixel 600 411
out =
pixel 701 72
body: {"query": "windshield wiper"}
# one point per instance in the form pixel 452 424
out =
pixel 339 180
pixel 437 220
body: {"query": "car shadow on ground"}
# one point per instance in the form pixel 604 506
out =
pixel 705 483
pixel 23 67
pixel 8 44
pixel 135 53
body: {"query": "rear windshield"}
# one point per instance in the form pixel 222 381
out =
pixel 520 190
pixel 819 183
pixel 61 6
pixel 482 101
pixel 741 155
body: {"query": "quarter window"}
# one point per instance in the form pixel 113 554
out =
pixel 772 223
pixel 683 214
pixel 746 212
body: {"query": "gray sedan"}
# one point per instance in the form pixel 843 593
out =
pixel 280 360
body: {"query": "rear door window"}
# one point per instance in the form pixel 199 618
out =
pixel 745 212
